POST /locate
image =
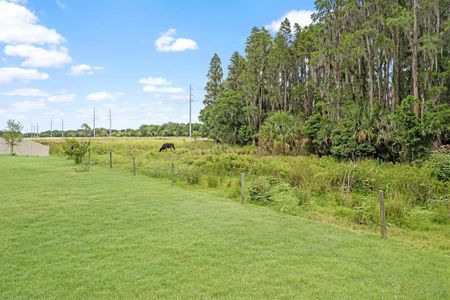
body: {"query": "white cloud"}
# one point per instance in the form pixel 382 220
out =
pixel 159 85
pixel 27 92
pixel 154 81
pixel 39 57
pixel 26 106
pixel 18 25
pixel 11 73
pixel 167 43
pixel 30 92
pixel 61 98
pixel 162 89
pixel 61 4
pixel 83 69
pixel 100 96
pixel 179 97
pixel 301 17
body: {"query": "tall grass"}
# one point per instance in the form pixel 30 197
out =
pixel 319 188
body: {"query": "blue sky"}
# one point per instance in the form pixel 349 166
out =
pixel 61 58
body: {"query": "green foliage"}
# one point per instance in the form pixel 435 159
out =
pixel 353 135
pixel 224 118
pixel 214 84
pixel 318 131
pixel 212 181
pixel 260 190
pixel 163 130
pixel 13 134
pixel 192 176
pixel 440 162
pixel 77 150
pixel 344 77
pixel 408 134
pixel 279 132
pixel 323 189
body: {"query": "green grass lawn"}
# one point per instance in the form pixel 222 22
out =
pixel 107 234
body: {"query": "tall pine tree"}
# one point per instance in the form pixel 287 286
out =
pixel 214 84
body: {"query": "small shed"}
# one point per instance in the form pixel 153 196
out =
pixel 25 147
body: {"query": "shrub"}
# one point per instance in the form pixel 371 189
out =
pixel 279 132
pixel 77 150
pixel 193 176
pixel 212 181
pixel 440 163
pixel 303 196
pixel 260 190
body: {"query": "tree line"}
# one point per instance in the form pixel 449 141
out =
pixel 365 79
pixel 166 129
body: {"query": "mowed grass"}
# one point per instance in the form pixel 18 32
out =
pixel 107 234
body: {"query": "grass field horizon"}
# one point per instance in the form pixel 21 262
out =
pixel 105 233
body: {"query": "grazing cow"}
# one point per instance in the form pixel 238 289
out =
pixel 167 146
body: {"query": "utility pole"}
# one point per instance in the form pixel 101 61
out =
pixel 37 130
pixel 190 111
pixel 110 121
pixel 51 128
pixel 94 122
pixel 62 128
pixel 31 130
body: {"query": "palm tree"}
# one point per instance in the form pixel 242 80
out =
pixel 86 128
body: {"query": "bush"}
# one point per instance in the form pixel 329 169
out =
pixel 279 132
pixel 440 163
pixel 260 190
pixel 213 181
pixel 193 176
pixel 77 150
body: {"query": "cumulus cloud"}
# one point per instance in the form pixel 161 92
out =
pixel 154 81
pixel 162 89
pixel 30 92
pixel 61 98
pixel 18 25
pixel 83 69
pixel 39 57
pixel 100 96
pixel 301 17
pixel 9 74
pixel 27 92
pixel 168 43
pixel 26 106
pixel 179 97
pixel 159 85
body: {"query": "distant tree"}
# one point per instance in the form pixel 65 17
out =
pixel 86 128
pixel 13 134
pixel 214 84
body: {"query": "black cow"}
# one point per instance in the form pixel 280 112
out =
pixel 167 146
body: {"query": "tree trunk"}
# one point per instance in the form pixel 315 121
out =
pixel 415 75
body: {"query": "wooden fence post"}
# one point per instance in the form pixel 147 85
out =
pixel 172 173
pixel 243 188
pixel 382 214
pixel 110 158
